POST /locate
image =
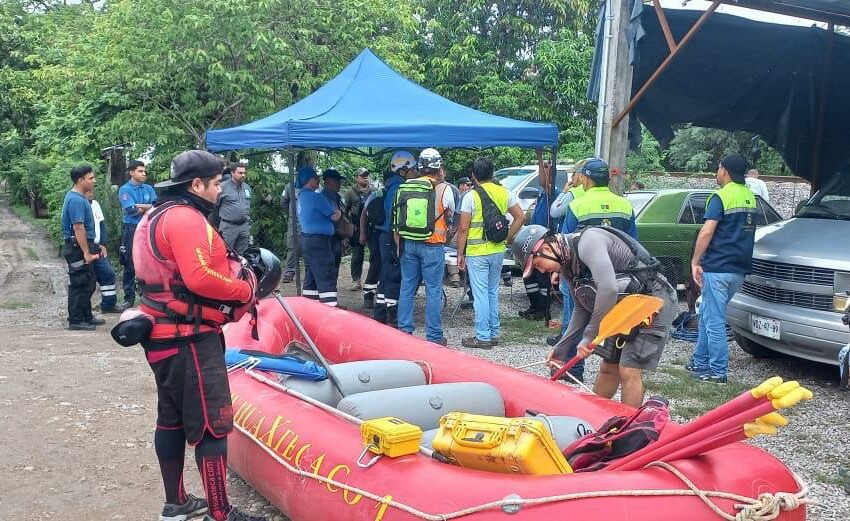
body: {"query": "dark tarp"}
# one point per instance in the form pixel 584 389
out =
pixel 368 104
pixel 835 11
pixel 739 74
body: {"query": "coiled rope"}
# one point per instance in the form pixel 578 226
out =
pixel 767 507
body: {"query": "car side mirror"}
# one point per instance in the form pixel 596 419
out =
pixel 529 193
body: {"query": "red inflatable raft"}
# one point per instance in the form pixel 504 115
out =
pixel 303 458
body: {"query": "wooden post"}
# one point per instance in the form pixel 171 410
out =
pixel 614 140
pixel 826 71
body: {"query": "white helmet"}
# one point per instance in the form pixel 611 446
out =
pixel 430 158
pixel 402 159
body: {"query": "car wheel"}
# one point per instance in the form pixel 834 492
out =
pixel 754 349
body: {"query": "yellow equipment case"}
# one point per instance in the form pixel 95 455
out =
pixel 390 436
pixel 495 444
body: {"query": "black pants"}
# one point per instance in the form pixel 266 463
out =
pixel 390 284
pixel 320 268
pixel 82 283
pixel 129 278
pixel 357 256
pixel 537 287
pixel 373 276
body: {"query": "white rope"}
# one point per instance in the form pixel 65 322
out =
pixel 767 507
pixel 762 509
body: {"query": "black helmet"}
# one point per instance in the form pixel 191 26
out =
pixel 526 243
pixel 266 267
pixel 594 168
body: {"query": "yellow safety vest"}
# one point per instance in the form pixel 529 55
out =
pixel 476 245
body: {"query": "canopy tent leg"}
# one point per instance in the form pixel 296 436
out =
pixel 296 242
pixel 553 176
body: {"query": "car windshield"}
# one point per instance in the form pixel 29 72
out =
pixel 639 200
pixel 511 177
pixel 830 202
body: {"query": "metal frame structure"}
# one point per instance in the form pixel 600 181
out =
pixel 832 12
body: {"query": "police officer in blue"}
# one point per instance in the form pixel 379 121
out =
pixel 317 216
pixel 80 250
pixel 136 198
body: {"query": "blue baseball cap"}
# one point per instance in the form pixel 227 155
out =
pixel 305 173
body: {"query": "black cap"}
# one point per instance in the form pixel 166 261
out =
pixel 191 164
pixel 331 173
pixel 737 166
pixel 464 181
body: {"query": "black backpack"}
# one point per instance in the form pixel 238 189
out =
pixel 375 215
pixel 495 223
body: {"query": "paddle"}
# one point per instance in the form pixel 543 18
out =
pixel 626 315
pixel 766 425
pixel 310 342
pixel 783 397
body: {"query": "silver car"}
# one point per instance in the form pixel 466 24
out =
pixel 793 300
pixel 519 179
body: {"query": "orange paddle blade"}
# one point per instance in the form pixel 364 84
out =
pixel 627 314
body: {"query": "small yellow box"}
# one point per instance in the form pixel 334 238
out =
pixel 495 444
pixel 390 436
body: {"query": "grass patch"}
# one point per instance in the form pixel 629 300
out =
pixel 15 304
pixel 517 330
pixel 31 253
pixel 689 397
pixel 24 213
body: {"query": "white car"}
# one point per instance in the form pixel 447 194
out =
pixel 524 182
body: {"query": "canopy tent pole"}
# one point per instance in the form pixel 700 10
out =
pixel 666 63
pixel 296 240
pixel 826 72
pixel 553 176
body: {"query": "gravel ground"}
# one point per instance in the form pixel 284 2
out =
pixel 76 411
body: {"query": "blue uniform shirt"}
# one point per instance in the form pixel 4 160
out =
pixel 731 246
pixel 540 215
pixel 131 194
pixel 389 201
pixel 76 209
pixel 314 213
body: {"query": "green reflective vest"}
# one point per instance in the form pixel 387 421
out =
pixel 476 245
pixel 601 206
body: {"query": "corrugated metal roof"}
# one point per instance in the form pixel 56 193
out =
pixel 834 11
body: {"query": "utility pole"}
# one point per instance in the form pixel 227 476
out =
pixel 616 89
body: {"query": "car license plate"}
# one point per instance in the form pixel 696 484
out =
pixel 767 327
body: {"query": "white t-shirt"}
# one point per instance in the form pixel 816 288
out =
pixel 758 187
pixel 448 198
pixel 467 204
pixel 98 218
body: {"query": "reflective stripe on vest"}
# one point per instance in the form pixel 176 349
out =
pixel 601 206
pixel 735 198
pixel 476 245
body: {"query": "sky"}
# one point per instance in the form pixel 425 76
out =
pixel 762 16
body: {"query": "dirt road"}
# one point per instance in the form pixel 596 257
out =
pixel 76 409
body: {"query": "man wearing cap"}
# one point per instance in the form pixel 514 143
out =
pixel 722 257
pixel 332 183
pixel 234 210
pixel 136 198
pixel 401 164
pixel 422 239
pixel 599 264
pixel 190 287
pixel 464 184
pixel 317 215
pixel 354 201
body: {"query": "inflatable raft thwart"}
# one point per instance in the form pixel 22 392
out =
pixel 298 441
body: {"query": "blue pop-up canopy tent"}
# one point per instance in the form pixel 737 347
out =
pixel 369 104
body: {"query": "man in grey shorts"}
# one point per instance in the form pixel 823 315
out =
pixel 601 264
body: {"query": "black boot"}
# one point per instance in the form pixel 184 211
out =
pixel 369 301
pixel 392 316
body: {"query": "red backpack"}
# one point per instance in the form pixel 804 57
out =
pixel 619 436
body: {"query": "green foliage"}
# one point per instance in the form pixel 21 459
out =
pixel 699 149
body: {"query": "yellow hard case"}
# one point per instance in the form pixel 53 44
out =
pixel 504 445
pixel 390 436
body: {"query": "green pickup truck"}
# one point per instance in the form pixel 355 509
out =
pixel 668 222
